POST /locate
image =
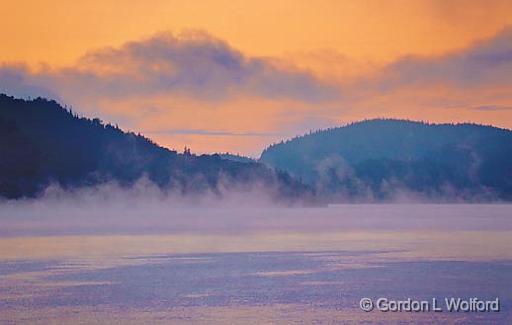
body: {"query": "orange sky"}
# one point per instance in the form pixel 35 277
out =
pixel 335 42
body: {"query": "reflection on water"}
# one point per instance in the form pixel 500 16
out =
pixel 261 274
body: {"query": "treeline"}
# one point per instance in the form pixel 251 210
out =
pixel 43 143
pixel 376 158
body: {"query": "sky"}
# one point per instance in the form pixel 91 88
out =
pixel 236 76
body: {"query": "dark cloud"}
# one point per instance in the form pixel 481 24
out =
pixel 196 65
pixel 203 67
pixel 486 63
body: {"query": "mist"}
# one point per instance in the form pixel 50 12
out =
pixel 144 208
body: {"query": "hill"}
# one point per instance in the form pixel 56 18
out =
pixel 375 158
pixel 236 157
pixel 42 143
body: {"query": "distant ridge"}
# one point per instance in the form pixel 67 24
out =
pixel 235 157
pixel 376 158
pixel 42 143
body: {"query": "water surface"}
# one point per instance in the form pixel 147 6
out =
pixel 257 265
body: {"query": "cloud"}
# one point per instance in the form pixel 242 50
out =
pixel 17 80
pixel 492 108
pixel 215 133
pixel 196 90
pixel 485 63
pixel 472 84
pixel 192 64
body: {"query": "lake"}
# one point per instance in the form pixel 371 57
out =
pixel 73 263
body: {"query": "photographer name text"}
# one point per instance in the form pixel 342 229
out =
pixel 450 304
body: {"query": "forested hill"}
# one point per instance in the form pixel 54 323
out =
pixel 376 157
pixel 42 143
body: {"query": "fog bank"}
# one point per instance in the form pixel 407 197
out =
pixel 145 209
